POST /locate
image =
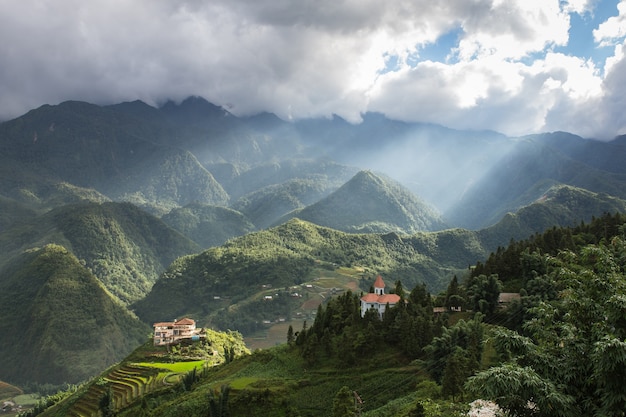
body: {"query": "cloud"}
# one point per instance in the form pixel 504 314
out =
pixel 613 28
pixel 313 58
pixel 501 95
pixel 580 6
pixel 510 29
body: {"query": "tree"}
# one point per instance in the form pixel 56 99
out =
pixel 453 299
pixel 464 335
pixel 399 290
pixel 521 391
pixel 290 336
pixel 485 291
pixel 571 361
pixel 218 402
pixel 189 379
pixel 343 404
pixel 106 405
pixel 455 373
pixel 418 410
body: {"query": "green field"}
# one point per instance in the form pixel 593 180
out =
pixel 173 367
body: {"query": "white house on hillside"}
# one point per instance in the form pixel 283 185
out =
pixel 378 300
pixel 168 332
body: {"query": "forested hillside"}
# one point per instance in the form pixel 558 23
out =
pixel 124 247
pixel 65 325
pixel 291 254
pixel 557 351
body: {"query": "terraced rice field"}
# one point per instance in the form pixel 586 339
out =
pixel 127 384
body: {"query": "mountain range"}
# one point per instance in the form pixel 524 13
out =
pixel 148 213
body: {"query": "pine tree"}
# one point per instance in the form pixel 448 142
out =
pixel 290 337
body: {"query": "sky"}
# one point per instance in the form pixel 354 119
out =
pixel 513 66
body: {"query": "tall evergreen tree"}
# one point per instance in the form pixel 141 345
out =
pixel 290 337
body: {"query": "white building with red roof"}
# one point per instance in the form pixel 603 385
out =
pixel 378 300
pixel 168 332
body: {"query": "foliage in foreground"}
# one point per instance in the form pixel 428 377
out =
pixel 570 357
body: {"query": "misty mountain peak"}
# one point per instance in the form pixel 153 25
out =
pixel 193 109
pixel 371 202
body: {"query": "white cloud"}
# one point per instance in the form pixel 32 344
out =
pixel 580 6
pixel 506 96
pixel 613 29
pixel 514 29
pixel 611 118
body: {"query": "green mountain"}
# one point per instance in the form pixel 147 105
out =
pixel 558 206
pixel 227 281
pixel 125 247
pixel 210 285
pixel 371 203
pixel 208 225
pixel 98 148
pixel 59 322
pixel 85 177
pixel 270 203
pixel 243 179
pixel 12 212
pixel 529 170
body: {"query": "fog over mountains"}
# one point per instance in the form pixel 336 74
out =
pixel 137 201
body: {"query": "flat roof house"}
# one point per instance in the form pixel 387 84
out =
pixel 169 332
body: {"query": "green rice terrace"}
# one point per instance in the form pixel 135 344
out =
pixel 149 370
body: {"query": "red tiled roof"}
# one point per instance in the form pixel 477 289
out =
pixel 388 298
pixel 380 299
pixel 370 297
pixel 379 283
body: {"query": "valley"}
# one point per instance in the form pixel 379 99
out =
pixel 115 217
pixel 310 296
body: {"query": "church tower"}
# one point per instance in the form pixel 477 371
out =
pixel 379 286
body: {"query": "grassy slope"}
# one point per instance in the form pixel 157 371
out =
pixel 149 372
pixel 267 383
